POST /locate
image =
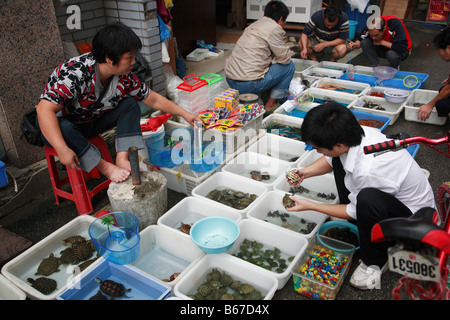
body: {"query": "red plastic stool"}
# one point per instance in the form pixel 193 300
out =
pixel 80 194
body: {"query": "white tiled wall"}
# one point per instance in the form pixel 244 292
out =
pixel 140 15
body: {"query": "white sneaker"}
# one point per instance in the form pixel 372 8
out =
pixel 367 277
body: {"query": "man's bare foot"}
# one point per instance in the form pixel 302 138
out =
pixel 112 172
pixel 122 160
pixel 270 104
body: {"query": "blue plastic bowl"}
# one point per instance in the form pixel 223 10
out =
pixel 214 234
pixel 339 224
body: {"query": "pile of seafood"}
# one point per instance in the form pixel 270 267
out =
pixel 221 286
pixel 285 131
pixel 306 192
pixel 271 259
pixel 290 222
pixel 373 105
pixel 78 253
pixel 236 199
pixel 343 234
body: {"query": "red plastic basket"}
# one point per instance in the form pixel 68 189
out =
pixel 438 10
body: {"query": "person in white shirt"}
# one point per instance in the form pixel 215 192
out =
pixel 370 188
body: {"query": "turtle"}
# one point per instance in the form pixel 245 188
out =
pixel 293 176
pixel 43 285
pixel 98 296
pixel 185 228
pixel 73 240
pixel 112 288
pixel 66 256
pixel 287 201
pixel 79 268
pixel 82 251
pixel 48 265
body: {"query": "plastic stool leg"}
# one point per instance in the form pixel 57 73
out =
pixel 81 196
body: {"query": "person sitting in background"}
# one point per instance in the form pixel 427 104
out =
pixel 442 100
pixel 326 32
pixel 387 37
pixel 370 188
pixel 260 60
pixel 94 92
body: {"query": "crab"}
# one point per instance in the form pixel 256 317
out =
pixel 112 288
pixel 48 265
pixel 43 285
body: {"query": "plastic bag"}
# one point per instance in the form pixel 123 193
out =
pixel 164 32
pixel 172 82
pixel 359 4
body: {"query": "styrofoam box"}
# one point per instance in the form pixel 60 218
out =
pixel 323 184
pixel 283 148
pixel 182 179
pixel 392 110
pixel 342 98
pixel 143 286
pixel 8 291
pixel 423 97
pixel 165 252
pixel 25 265
pixel 347 85
pixel 222 180
pixel 315 73
pixel 301 64
pixel 246 162
pixel 272 201
pixel 271 236
pixel 191 209
pixel 236 268
pixel 300 11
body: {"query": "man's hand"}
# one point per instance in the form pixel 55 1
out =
pixel 68 158
pixel 424 111
pixel 304 54
pixel 319 47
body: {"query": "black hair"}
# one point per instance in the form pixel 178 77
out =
pixel 326 125
pixel 276 10
pixel 113 41
pixel 442 40
pixel 332 13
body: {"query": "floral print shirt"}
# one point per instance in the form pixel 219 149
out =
pixel 75 87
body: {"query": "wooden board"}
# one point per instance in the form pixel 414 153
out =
pixel 396 8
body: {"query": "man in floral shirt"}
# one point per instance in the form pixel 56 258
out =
pixel 69 113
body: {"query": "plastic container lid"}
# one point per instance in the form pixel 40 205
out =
pixel 192 83
pixel 212 78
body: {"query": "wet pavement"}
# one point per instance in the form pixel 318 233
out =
pixel 34 215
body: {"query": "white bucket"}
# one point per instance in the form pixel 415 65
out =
pixel 143 153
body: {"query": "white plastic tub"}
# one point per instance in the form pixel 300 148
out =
pixel 8 291
pixel 301 64
pixel 25 265
pixel 319 95
pixel 236 268
pixel 290 244
pixel 246 162
pixel 422 96
pixel 282 148
pixel 165 252
pixel 191 209
pixel 351 88
pixel 223 180
pixel 308 158
pixel 334 65
pixel 315 73
pixel 391 110
pixel 272 201
pixel 319 184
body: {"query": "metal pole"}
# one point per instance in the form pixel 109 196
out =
pixel 133 157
